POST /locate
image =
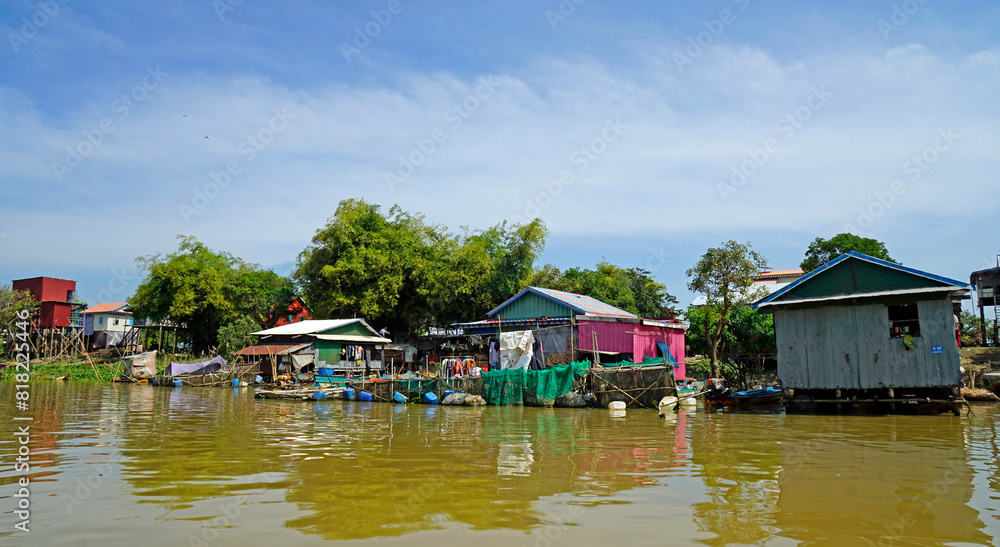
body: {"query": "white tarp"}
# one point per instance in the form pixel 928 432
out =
pixel 516 348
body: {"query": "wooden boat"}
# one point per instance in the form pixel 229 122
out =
pixel 303 394
pixel 764 396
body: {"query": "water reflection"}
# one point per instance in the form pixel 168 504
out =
pixel 206 463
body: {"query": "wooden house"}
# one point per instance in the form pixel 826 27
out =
pixel 861 329
pixel 592 328
pixel 343 345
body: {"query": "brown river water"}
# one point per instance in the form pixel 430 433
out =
pixel 143 465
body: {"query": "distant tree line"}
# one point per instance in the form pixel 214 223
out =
pixel 391 267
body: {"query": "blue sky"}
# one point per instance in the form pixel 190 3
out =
pixel 640 132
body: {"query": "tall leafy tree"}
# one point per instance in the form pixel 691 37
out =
pixel 725 276
pixel 12 303
pixel 202 290
pixel 821 250
pixel 397 270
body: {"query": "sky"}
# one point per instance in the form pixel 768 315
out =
pixel 642 133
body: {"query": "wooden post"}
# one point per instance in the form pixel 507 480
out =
pixel 572 342
pixel 175 342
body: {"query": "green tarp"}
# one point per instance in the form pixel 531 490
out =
pixel 519 386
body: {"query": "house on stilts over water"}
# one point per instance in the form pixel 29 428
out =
pixel 864 331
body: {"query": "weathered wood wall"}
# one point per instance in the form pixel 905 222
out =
pixel 848 347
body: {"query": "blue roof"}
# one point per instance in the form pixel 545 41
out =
pixel 581 304
pixel 854 254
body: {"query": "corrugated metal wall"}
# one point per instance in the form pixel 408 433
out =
pixel 611 336
pixel 618 337
pixel 848 347
pixel 530 306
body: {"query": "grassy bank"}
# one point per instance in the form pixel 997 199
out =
pixel 80 369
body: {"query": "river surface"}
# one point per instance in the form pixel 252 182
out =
pixel 143 465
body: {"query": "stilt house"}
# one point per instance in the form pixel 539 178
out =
pixel 864 328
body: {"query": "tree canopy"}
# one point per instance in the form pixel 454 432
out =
pixel 407 275
pixel 11 304
pixel 204 290
pixel 821 250
pixel 631 289
pixel 725 276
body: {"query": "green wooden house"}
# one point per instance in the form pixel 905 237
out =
pixel 864 329
pixel 343 345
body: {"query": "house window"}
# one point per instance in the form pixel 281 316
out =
pixel 903 320
pixel 100 320
pixel 116 321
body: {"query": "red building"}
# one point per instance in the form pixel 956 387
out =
pixel 297 311
pixel 55 298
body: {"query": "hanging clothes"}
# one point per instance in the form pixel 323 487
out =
pixel 516 349
pixel 494 351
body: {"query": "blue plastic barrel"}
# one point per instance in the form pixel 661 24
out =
pixel 364 396
pixel 430 398
pixel 320 396
pixel 236 382
pixel 399 397
pixel 348 394
pixel 178 383
pixel 448 392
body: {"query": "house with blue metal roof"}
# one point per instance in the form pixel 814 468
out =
pixel 863 330
pixel 576 324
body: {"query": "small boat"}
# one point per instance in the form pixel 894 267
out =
pixel 764 396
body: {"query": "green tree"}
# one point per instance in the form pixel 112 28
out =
pixel 12 304
pixel 821 250
pixel 406 275
pixel 202 290
pixel 236 335
pixel 725 276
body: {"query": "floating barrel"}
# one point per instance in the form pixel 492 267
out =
pixel 320 396
pixel 178 383
pixel 399 397
pixel 364 396
pixel 236 382
pixel 448 392
pixel 348 394
pixel 430 398
pixel 617 405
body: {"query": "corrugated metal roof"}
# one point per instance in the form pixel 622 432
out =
pixel 951 284
pixel 579 303
pixel 272 349
pixel 312 326
pixel 352 338
pixel 110 307
pixel 852 296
